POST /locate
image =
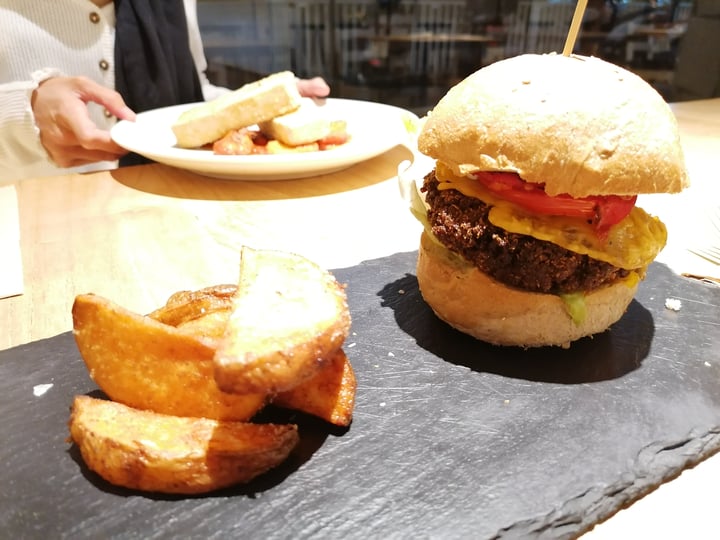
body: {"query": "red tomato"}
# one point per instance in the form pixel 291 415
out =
pixel 235 142
pixel 259 138
pixel 601 211
pixel 333 140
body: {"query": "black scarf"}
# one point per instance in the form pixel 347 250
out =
pixel 153 64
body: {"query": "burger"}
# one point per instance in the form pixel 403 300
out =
pixel 532 237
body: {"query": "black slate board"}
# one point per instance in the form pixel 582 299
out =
pixel 451 438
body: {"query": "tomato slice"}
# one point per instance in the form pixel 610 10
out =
pixel 600 211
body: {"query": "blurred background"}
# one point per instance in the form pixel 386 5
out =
pixel 409 52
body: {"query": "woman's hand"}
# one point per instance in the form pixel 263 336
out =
pixel 315 87
pixel 68 134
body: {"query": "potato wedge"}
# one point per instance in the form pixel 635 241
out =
pixel 185 306
pixel 211 325
pixel 170 454
pixel 329 394
pixel 146 364
pixel 288 315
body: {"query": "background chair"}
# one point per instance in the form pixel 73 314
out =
pixel 435 58
pixel 539 27
pixel 244 40
pixel 353 29
pixel 309 24
pixel 664 42
pixel 697 68
pixel 683 11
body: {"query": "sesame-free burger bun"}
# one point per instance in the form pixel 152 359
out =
pixel 474 303
pixel 580 125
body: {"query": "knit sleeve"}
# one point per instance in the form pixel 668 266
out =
pixel 20 141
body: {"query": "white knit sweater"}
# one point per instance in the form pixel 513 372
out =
pixel 42 38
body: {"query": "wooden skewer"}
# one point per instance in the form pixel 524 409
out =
pixel 574 27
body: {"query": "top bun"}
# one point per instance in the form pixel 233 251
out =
pixel 580 125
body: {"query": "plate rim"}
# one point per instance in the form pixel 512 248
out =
pixel 283 166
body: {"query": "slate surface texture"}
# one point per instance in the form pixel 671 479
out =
pixel 452 438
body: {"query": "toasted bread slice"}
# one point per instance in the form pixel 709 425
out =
pixel 305 125
pixel 172 454
pixel 288 316
pixel 250 104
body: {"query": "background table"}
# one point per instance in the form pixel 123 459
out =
pixel 141 233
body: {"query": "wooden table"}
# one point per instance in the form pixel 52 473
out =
pixel 433 54
pixel 138 234
pixel 590 41
pixel 673 31
pixel 433 37
pixel 652 39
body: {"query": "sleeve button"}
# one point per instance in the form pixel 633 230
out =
pixel 104 65
pixel 94 17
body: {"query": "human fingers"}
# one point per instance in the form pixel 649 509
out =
pixel 73 156
pixel 89 90
pixel 64 123
pixel 315 87
pixel 69 150
pixel 79 129
pixel 74 136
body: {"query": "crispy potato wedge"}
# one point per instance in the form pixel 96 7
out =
pixel 288 315
pixel 211 325
pixel 329 394
pixel 171 454
pixel 146 364
pixel 185 306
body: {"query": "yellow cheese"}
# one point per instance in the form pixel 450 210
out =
pixel 632 243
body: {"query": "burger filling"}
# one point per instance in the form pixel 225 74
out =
pixel 462 224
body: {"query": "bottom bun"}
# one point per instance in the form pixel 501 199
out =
pixel 469 300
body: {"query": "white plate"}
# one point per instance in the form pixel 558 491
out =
pixel 374 128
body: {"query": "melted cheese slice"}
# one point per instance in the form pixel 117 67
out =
pixel 632 243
